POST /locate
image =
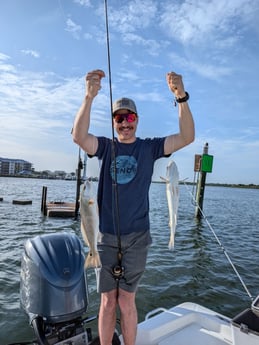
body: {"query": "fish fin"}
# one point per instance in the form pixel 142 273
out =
pixel 83 232
pixel 99 237
pixel 164 179
pixel 93 260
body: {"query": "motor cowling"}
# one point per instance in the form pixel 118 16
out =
pixel 53 283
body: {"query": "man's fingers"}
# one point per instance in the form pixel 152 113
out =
pixel 96 74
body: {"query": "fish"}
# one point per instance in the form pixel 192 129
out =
pixel 90 223
pixel 172 194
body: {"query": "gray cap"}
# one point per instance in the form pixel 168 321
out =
pixel 124 103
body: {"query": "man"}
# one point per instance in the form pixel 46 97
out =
pixel 124 216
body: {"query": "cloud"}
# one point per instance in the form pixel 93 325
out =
pixel 37 110
pixel 4 57
pixel 134 15
pixel 88 36
pixel 5 67
pixel 30 52
pixel 73 28
pixel 207 68
pixel 39 101
pixel 125 21
pixel 199 21
pixel 152 46
pixel 85 3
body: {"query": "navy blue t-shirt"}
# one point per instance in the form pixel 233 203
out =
pixel 134 169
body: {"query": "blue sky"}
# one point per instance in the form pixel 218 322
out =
pixel 47 46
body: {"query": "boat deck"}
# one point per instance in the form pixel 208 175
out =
pixel 183 324
pixel 190 323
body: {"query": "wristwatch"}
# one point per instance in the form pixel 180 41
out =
pixel 183 99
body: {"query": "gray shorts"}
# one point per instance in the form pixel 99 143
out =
pixel 134 248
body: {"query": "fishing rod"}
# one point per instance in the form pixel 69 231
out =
pixel 220 244
pixel 118 269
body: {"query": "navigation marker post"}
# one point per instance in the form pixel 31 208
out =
pixel 203 165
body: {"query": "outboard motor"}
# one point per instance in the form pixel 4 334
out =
pixel 53 288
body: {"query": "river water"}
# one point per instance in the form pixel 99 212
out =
pixel 196 270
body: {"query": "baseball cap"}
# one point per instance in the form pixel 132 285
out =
pixel 124 103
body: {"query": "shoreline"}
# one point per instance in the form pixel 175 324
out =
pixel 214 184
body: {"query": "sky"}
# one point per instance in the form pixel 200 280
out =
pixel 48 46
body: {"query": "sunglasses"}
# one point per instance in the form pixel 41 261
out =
pixel 130 117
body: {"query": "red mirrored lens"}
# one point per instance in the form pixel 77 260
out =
pixel 119 118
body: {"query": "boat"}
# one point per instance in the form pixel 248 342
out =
pixel 53 292
pixel 192 323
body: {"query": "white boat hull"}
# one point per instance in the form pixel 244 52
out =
pixel 190 323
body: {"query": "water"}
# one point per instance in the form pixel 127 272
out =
pixel 197 270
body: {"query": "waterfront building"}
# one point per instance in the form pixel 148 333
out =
pixel 10 167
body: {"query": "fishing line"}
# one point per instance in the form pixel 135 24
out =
pixel 220 244
pixel 117 270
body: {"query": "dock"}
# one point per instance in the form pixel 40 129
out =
pixel 56 208
pixel 22 202
pixel 60 209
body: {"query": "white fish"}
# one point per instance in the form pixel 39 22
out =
pixel 90 223
pixel 172 194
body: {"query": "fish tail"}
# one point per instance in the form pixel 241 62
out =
pixel 97 275
pixel 93 260
pixel 171 243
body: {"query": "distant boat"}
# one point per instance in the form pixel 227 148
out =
pixel 70 177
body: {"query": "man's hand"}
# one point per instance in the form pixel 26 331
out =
pixel 175 84
pixel 93 82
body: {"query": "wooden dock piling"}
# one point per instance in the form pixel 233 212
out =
pixel 44 200
pixel 78 184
